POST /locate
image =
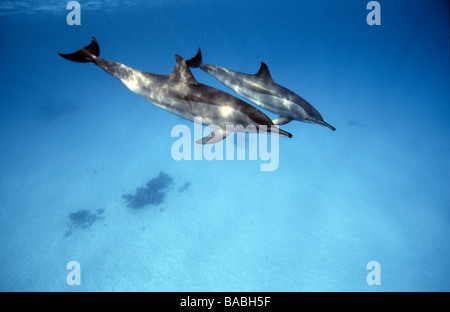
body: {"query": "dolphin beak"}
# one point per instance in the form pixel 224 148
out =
pixel 323 123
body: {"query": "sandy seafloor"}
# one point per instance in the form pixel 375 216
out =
pixel 74 138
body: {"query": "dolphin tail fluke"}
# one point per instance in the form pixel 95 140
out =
pixel 196 61
pixel 87 54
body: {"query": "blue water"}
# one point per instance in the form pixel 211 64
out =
pixel 74 139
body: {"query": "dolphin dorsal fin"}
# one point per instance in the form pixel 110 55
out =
pixel 264 72
pixel 182 72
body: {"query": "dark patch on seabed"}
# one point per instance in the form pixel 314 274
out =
pixel 83 219
pixel 154 192
pixel 51 111
pixel 354 123
pixel 184 187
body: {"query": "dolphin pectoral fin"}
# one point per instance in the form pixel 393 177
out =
pixel 281 120
pixel 215 136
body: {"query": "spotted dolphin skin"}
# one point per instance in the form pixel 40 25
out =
pixel 180 94
pixel 263 91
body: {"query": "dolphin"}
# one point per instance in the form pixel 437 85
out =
pixel 180 94
pixel 263 91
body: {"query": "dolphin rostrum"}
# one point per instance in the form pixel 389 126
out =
pixel 180 94
pixel 263 91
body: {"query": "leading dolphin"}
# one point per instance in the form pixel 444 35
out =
pixel 180 94
pixel 263 91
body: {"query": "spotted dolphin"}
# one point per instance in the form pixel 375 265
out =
pixel 263 91
pixel 180 94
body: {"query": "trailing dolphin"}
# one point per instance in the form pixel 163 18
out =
pixel 263 91
pixel 180 94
